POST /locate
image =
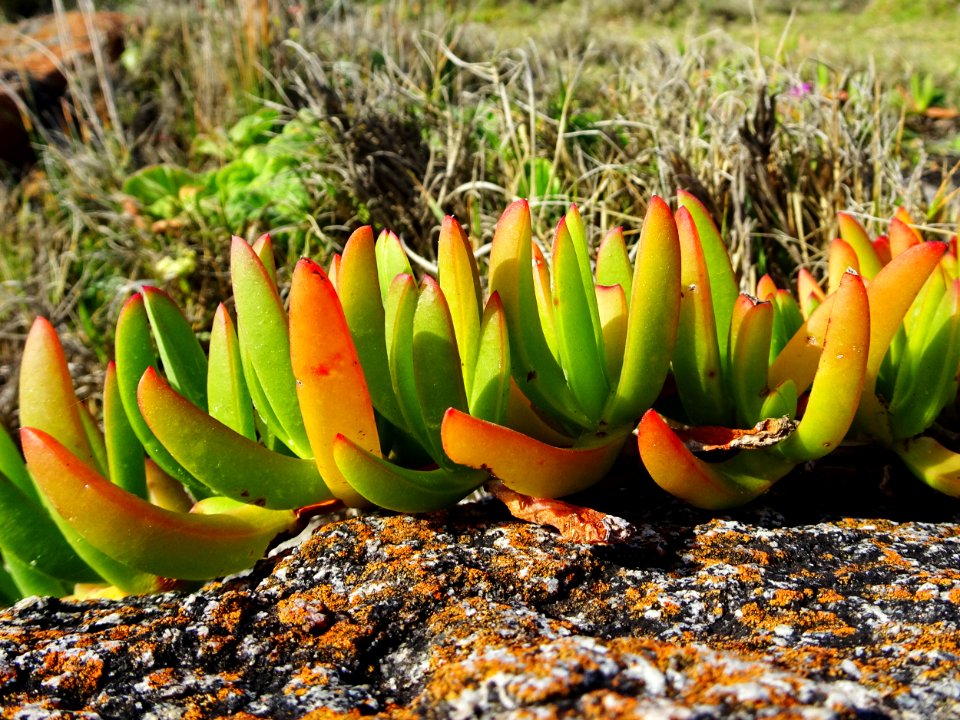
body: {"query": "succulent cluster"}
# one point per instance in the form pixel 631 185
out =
pixel 369 388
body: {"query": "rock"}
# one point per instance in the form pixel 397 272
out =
pixel 469 613
pixel 33 56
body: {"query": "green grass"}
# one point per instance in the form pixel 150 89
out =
pixel 416 110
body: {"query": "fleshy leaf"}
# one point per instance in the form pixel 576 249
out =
pixel 244 470
pixel 125 455
pixel 28 533
pixel 188 546
pixel 401 489
pixel 359 290
pixel 13 467
pixel 712 486
pixel 134 348
pixel 652 321
pixel 573 223
pixel 391 261
pixel 582 359
pixel 696 359
pixel 544 293
pixel 748 366
pixel 902 237
pixel 533 365
pixel 330 381
pixel 921 394
pixel 723 282
pixel 854 234
pixel 808 286
pixel 227 394
pixel 613 263
pixel 891 293
pixel 400 312
pixel 184 364
pixel 491 366
pixel 839 379
pixel 612 306
pixel 460 282
pixel 264 335
pixel 526 465
pixel 263 247
pixel 842 258
pixel 47 400
pixel 930 461
pixel 436 365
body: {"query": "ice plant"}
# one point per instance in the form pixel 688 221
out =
pixel 347 389
pixel 82 527
pixel 589 351
pixel 725 379
pixel 915 343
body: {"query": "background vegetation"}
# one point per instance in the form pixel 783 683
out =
pixel 308 119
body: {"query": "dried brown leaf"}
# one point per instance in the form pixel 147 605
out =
pixel 710 437
pixel 576 524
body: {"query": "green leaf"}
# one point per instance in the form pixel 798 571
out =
pixel 159 182
pixel 787 320
pixel 125 455
pixel 460 281
pixel 781 401
pixel 436 365
pixel 29 581
pixel 723 282
pixel 400 489
pixel 491 366
pixel 28 534
pixel 697 364
pixel 391 261
pixel 613 263
pixel 13 467
pixel 612 306
pixel 527 465
pixel 47 400
pixel 654 313
pixel 184 363
pixel 255 128
pixel 226 462
pixel 227 394
pixel 583 361
pixel 187 546
pixel 839 380
pixel 134 353
pixel 400 311
pixel 358 286
pixel 264 335
pixel 537 373
pixel 920 395
pixel 748 369
pixel 578 234
pixel 853 233
pixel 713 486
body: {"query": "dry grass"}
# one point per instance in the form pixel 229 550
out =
pixel 417 118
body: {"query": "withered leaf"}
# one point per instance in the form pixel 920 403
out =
pixel 711 437
pixel 576 524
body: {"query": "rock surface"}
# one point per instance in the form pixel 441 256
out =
pixel 35 57
pixel 793 608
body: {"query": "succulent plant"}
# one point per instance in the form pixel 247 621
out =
pixel 589 352
pixel 735 368
pixel 915 342
pixel 371 389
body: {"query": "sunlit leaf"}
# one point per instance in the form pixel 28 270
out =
pixel 188 546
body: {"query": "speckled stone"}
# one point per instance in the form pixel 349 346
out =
pixel 795 607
